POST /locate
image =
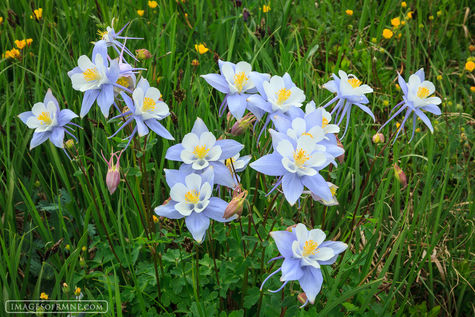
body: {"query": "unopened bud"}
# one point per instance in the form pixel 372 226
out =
pixel 378 138
pixel 65 288
pixel 289 228
pixel 82 262
pixel 143 54
pixel 77 291
pixel 400 176
pixel 195 62
pixel 242 125
pixel 113 172
pixel 69 144
pixel 236 205
pixel 302 297
pixel 340 158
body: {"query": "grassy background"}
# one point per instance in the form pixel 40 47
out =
pixel 412 250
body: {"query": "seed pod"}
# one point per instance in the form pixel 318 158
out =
pixel 400 176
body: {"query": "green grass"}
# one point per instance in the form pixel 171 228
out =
pixel 411 252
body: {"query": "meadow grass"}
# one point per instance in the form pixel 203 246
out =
pixel 410 248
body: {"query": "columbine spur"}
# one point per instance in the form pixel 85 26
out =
pixel 48 121
pixel 304 252
pixel 417 98
pixel 238 82
pixel 349 91
pixel 298 163
pixel 191 198
pixel 199 150
pixel 146 109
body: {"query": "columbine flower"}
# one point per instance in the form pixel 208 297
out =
pixel 113 171
pixel 146 108
pixel 237 164
pixel 237 81
pixel 417 98
pixel 200 149
pixel 48 121
pixel 304 252
pixel 191 197
pixel 333 201
pixel 297 162
pixel 96 78
pixel 278 96
pixel 349 91
pixel 110 38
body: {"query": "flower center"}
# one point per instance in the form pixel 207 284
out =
pixel 240 80
pixel 333 190
pixel 306 133
pixel 422 92
pixel 200 151
pixel 354 82
pixel 309 248
pixel 45 118
pixel 123 82
pixel 91 74
pixel 192 196
pixel 324 122
pixel 300 157
pixel 282 95
pixel 101 33
pixel 149 105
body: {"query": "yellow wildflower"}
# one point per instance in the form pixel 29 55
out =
pixel 403 22
pixel 439 13
pixel 1 20
pixel 418 130
pixel 140 12
pixel 398 87
pixel 265 8
pixel 403 4
pixel 38 13
pixel 77 291
pixel 20 44
pixel 471 48
pixel 472 88
pixel 387 34
pixel 155 219
pixel 13 53
pixel 201 48
pixel 349 12
pixel 470 66
pixel 431 17
pixel 385 103
pixel 84 248
pixel 409 15
pixel 152 4
pixel 396 22
pixel 44 296
pixel 439 77
pixel 195 62
pixel 29 41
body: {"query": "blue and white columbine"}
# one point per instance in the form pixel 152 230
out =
pixel 417 98
pixel 238 82
pixel 304 252
pixel 349 91
pixel 199 150
pixel 48 121
pixel 191 198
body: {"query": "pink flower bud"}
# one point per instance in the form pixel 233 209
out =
pixel 113 172
pixel 378 138
pixel 289 228
pixel 242 125
pixel 143 53
pixel 400 176
pixel 237 203
pixel 302 298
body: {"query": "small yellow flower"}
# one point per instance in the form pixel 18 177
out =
pixel 385 103
pixel 471 48
pixel 349 12
pixel 470 66
pixel 13 53
pixel 38 13
pixel 77 291
pixel 374 40
pixel 439 77
pixel 140 12
pixel 403 22
pixel 387 34
pixel 84 248
pixel 265 8
pixel 67 247
pixel 152 4
pixel 155 219
pixel 20 44
pixel 472 88
pixel 409 15
pixel 1 20
pixel 431 17
pixel 418 130
pixel 396 22
pixel 29 41
pixel 195 62
pixel 69 145
pixel 44 296
pixel 403 4
pixel 439 13
pixel 201 48
pixel 398 125
pixel 398 87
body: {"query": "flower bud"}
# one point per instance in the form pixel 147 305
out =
pixel 195 62
pixel 246 14
pixel 113 173
pixel 378 138
pixel 143 54
pixel 82 262
pixel 302 297
pixel 340 158
pixel 77 291
pixel 400 176
pixel 289 228
pixel 237 203
pixel 65 288
pixel 69 144
pixel 242 125
pixel 155 219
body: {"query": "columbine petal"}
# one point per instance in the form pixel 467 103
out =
pixel 197 224
pixel 291 270
pixel 292 187
pixel 311 282
pixel 269 164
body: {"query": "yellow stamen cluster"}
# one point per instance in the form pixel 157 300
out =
pixel 354 82
pixel 300 157
pixel 324 122
pixel 122 81
pixel 240 80
pixel 45 118
pixel 101 33
pixel 310 247
pixel 192 196
pixel 230 163
pixel 306 133
pixel 148 104
pixel 200 151
pixel 333 190
pixel 422 92
pixel 91 74
pixel 282 95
